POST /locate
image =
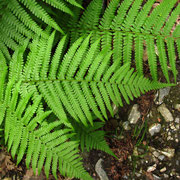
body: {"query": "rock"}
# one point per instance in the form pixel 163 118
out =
pixel 162 93
pixel 163 169
pixel 100 171
pixel 134 114
pixel 156 154
pixel 126 125
pixel 172 127
pixel 165 113
pixel 125 177
pixel 138 174
pixel 177 120
pixel 115 109
pixel 168 152
pixel 177 162
pixel 177 107
pixel 120 137
pixel 168 138
pixel 156 177
pixel 154 128
pixel 151 168
pixel 161 157
pixel 166 175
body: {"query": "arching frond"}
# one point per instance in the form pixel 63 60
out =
pixel 85 81
pixel 92 138
pixel 44 144
pixel 22 19
pixel 127 24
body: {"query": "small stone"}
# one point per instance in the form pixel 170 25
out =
pixel 154 128
pixel 156 177
pixel 166 175
pixel 126 125
pixel 125 177
pixel 168 152
pixel 168 138
pixel 120 137
pixel 134 114
pixel 177 107
pixel 177 162
pixel 161 157
pixel 173 127
pixel 151 168
pixel 165 113
pixel 163 169
pixel 177 120
pixel 155 153
pixel 100 171
pixel 155 97
pixel 177 126
pixel 162 93
pixel 137 174
pixel 115 109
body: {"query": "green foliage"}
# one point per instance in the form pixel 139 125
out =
pixel 21 18
pixel 127 26
pixel 59 74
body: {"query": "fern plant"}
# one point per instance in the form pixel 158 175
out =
pixel 55 84
pixel 77 84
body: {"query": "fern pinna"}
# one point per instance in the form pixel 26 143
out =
pixel 61 72
pixel 75 86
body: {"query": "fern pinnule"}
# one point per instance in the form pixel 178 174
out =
pixel 172 56
pixel 3 70
pixel 163 57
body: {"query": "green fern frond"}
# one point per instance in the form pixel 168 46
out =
pixel 129 24
pixel 84 81
pixel 22 19
pixel 92 138
pixel 46 145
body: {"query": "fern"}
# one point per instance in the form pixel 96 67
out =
pixel 91 137
pixel 45 143
pixel 131 23
pixel 83 82
pixel 60 72
pixel 21 19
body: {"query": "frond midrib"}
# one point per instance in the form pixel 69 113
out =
pixel 74 80
pixel 100 30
